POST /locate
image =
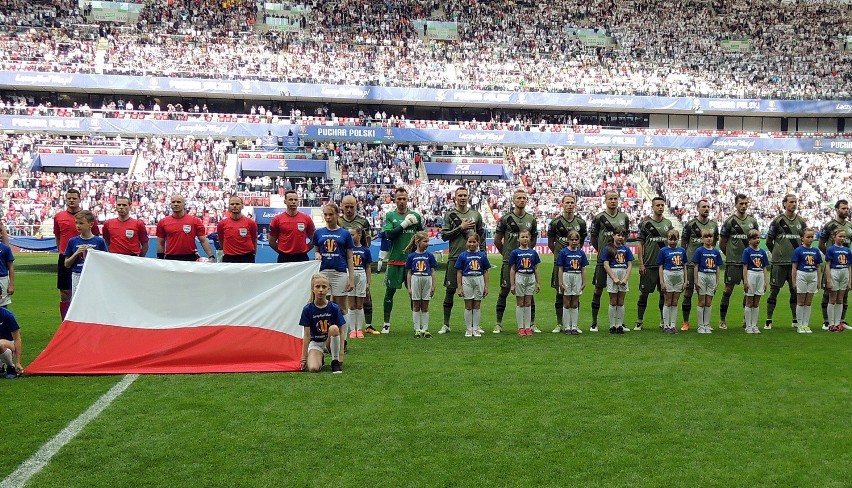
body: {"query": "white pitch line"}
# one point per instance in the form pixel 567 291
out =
pixel 39 460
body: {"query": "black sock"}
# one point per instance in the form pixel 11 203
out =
pixel 448 304
pixel 596 307
pixel 641 305
pixel 825 308
pixel 558 307
pixel 368 309
pixel 686 307
pixel 501 307
pixel 389 293
pixel 723 307
pixel 771 302
pixel 532 311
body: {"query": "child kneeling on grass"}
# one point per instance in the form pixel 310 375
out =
pixel 323 322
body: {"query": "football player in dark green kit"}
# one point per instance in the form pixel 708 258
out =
pixel 602 228
pixel 652 237
pixel 782 238
pixel 733 241
pixel 506 240
pixel 557 240
pixel 691 240
pixel 458 223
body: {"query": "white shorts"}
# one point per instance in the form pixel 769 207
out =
pixel 473 287
pixel 611 287
pixel 806 281
pixel 756 283
pixel 707 283
pixel 75 280
pixel 524 284
pixel 337 281
pixel 673 280
pixel 839 279
pixel 5 299
pixel 316 346
pixel 573 284
pixel 360 288
pixel 421 287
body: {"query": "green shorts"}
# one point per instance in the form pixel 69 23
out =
pixel 689 284
pixel 395 276
pixel 505 275
pixel 599 279
pixel 733 274
pixel 780 274
pixel 650 281
pixel 451 277
pixel 554 278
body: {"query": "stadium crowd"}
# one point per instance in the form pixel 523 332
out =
pixel 661 48
pixel 195 168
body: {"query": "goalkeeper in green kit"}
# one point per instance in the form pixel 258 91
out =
pixel 399 229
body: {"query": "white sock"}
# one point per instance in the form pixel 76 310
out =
pixel 415 316
pixel 361 319
pixel 747 317
pixel 621 315
pixel 575 318
pixel 800 310
pixel 566 318
pixel 519 316
pixel 424 321
pixel 806 316
pixel 6 358
pixel 527 317
pixel 477 314
pixel 673 315
pixel 612 318
pixel 468 319
pixel 666 316
pixel 755 316
pixel 334 347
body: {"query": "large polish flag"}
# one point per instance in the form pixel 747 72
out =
pixel 136 315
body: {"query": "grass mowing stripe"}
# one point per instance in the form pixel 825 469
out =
pixel 39 460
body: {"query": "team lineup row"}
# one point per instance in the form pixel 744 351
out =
pixel 665 259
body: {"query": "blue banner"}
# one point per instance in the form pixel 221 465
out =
pixel 489 171
pixel 192 87
pixel 59 162
pixel 380 135
pixel 267 165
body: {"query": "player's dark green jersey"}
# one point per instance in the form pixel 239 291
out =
pixel 398 236
pixel 363 224
pixel 736 230
pixel 786 235
pixel 456 236
pixel 559 228
pixel 510 226
pixel 604 224
pixel 692 235
pixel 827 232
pixel 653 235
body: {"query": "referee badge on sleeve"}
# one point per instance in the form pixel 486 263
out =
pixel 187 229
pixel 301 226
pixel 243 232
pixel 129 233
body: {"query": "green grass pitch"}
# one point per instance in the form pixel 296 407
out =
pixel 643 409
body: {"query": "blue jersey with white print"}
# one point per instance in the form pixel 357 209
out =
pixel 472 263
pixel 524 260
pixel 672 258
pixel 755 259
pixel 838 257
pixel 806 258
pixel 619 259
pixel 572 261
pixel 361 258
pixel 333 246
pixel 320 319
pixel 421 263
pixel 707 260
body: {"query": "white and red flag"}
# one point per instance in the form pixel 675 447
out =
pixel 136 315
